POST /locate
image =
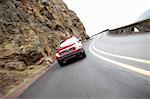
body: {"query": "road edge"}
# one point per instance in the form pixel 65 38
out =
pixel 21 89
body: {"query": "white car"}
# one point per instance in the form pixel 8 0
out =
pixel 69 49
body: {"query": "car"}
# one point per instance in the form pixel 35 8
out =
pixel 70 48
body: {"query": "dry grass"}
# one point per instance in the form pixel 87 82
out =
pixel 10 81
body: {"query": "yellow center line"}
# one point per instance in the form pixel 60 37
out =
pixel 120 56
pixel 129 67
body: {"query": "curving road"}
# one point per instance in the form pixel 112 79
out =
pixel 115 68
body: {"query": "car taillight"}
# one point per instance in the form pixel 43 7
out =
pixel 74 48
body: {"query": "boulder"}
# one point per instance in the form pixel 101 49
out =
pixel 19 66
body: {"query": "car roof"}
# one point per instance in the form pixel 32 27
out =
pixel 67 39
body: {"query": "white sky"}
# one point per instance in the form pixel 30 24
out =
pixel 98 15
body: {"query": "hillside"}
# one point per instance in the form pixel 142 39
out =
pixel 30 30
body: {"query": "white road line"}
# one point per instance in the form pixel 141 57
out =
pixel 120 56
pixel 129 67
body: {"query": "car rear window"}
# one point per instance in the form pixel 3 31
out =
pixel 69 41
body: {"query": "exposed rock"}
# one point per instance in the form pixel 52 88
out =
pixel 20 66
pixel 31 29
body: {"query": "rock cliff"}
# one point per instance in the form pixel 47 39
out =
pixel 30 30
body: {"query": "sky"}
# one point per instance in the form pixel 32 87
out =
pixel 99 15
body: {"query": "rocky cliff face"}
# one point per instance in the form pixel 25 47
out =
pixel 30 30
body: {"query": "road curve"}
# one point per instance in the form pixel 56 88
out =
pixel 96 78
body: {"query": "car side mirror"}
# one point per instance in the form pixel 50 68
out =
pixel 80 39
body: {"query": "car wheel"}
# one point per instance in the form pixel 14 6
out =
pixel 60 63
pixel 84 55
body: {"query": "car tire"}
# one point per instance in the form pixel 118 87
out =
pixel 84 55
pixel 60 63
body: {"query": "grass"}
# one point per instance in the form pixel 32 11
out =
pixel 10 81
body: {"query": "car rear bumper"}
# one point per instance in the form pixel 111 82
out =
pixel 71 55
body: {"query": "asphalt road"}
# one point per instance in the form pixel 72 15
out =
pixel 98 76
